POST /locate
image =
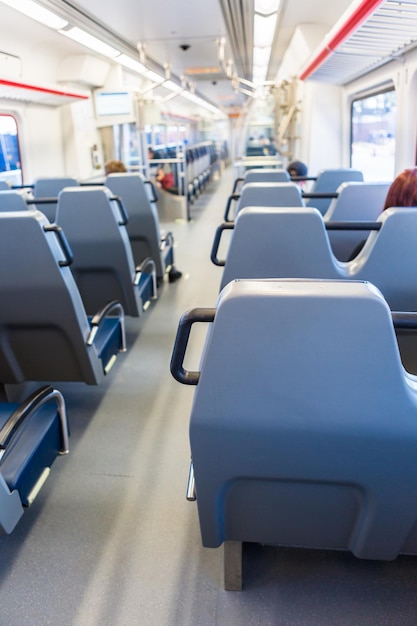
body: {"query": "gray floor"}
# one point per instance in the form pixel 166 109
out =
pixel 111 539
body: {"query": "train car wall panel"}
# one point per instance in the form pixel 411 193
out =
pixel 82 144
pixel 322 127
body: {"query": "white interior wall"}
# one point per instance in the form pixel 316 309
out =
pixel 321 127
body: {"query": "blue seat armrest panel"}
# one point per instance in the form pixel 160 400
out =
pixel 39 438
pixel 108 336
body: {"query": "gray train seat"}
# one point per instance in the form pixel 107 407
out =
pixel 45 334
pixel 300 459
pixel 293 243
pixel 327 182
pixel 264 194
pixel 264 175
pixel 4 186
pixel 94 223
pixel 32 434
pixel 355 202
pixel 143 225
pixel 50 188
pixel 14 200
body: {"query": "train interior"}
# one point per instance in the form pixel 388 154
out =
pixel 117 286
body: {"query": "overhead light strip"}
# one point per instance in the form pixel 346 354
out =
pixel 37 12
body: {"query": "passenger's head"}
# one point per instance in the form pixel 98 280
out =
pixel 114 167
pixel 403 191
pixel 297 168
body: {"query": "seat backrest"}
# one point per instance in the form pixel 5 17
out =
pixel 389 258
pixel 43 323
pixel 266 176
pixel 293 242
pixel 355 202
pixel 103 264
pixel 4 186
pixel 13 201
pixel 269 195
pixel 143 224
pixel 279 242
pixel 50 188
pixel 327 182
pixel 300 459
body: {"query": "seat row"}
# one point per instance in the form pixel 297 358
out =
pixel 351 201
pixel 66 288
pixel 312 365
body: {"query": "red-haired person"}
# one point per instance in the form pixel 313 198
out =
pixel 402 192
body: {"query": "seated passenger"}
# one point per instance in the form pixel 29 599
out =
pixel 114 167
pixel 165 179
pixel 297 168
pixel 402 193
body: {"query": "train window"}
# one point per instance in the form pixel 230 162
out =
pixel 10 163
pixel 373 135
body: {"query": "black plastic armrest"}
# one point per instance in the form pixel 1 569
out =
pixel 216 243
pixel 181 341
pixel 122 210
pixel 404 320
pixel 237 181
pixel 154 196
pixel 26 409
pixel 63 242
pixel 353 225
pixel 235 197
pixel 319 194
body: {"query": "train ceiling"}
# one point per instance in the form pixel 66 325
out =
pixel 185 35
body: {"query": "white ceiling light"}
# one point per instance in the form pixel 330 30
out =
pixel 266 7
pixel 261 56
pixel 80 36
pixel 264 25
pixel 259 74
pixel 36 12
pixel 264 29
pixel 131 64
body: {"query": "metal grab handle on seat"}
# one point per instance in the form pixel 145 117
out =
pixel 166 240
pixel 234 196
pixel 191 495
pixel 353 225
pixel 26 409
pixel 216 242
pixel 181 341
pixel 147 266
pixel 113 305
pixel 63 242
pixel 122 210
